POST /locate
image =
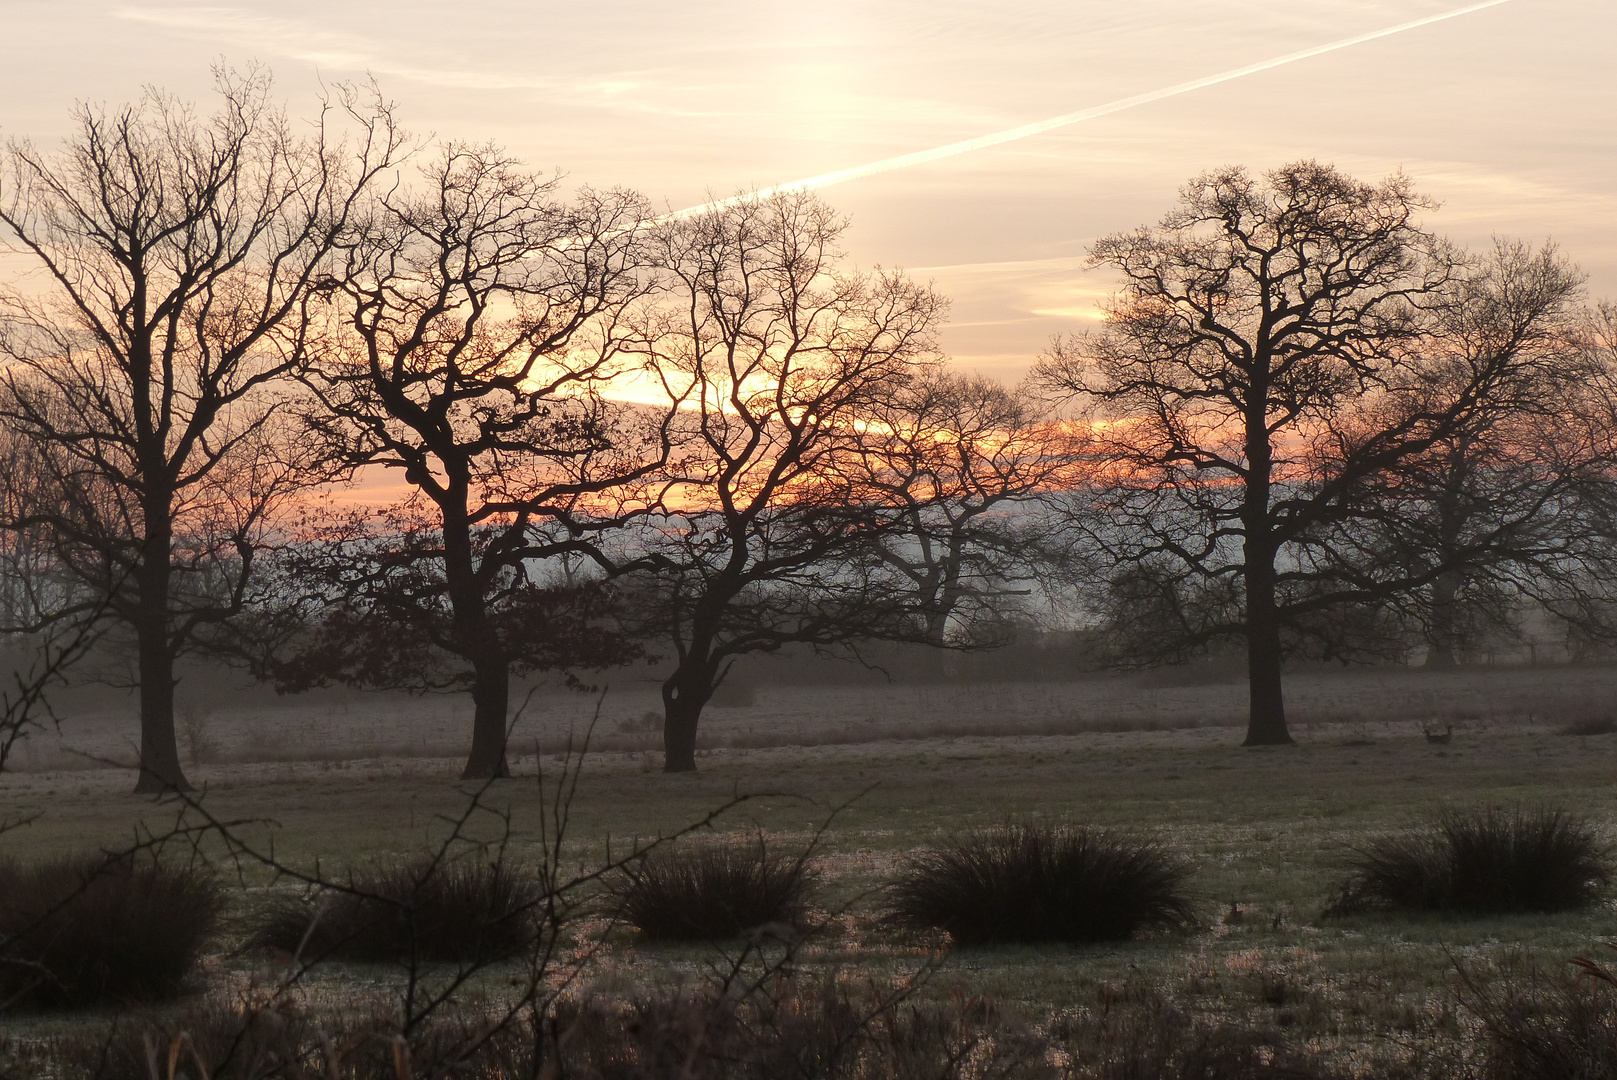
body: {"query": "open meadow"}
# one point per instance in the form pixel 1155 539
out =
pixel 889 770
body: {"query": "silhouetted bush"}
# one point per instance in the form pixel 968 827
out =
pixel 1485 861
pixel 421 908
pixel 712 889
pixel 1545 1028
pixel 87 930
pixel 1027 882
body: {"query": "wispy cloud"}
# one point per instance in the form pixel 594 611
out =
pixel 337 51
pixel 1023 131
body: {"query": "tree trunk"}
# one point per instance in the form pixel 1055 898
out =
pixel 1266 718
pixel 685 692
pixel 491 698
pixel 159 750
pixel 1266 715
pixel 476 640
pixel 937 660
pixel 1443 640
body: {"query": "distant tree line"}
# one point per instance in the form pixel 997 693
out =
pixel 1308 427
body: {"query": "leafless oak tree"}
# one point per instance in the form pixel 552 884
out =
pixel 476 323
pixel 1280 347
pixel 782 359
pixel 1514 506
pixel 969 460
pixel 175 257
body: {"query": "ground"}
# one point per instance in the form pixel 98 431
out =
pixel 1267 830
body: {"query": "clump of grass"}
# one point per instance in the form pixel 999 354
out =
pixel 84 931
pixel 421 908
pixel 709 890
pixel 1485 861
pixel 1030 883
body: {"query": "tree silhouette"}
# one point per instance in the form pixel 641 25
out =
pixel 145 362
pixel 1279 349
pixel 969 461
pixel 475 323
pixel 781 491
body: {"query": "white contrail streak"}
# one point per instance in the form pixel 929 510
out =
pixel 965 146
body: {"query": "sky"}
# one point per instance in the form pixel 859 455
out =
pixel 1504 114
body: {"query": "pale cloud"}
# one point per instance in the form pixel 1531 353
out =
pixel 330 50
pixel 1502 114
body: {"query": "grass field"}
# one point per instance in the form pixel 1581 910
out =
pixel 1266 830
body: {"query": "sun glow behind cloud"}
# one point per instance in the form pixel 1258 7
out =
pixel 1501 114
pixel 1039 127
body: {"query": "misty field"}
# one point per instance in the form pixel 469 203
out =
pixel 1266 831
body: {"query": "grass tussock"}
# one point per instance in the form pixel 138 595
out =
pixel 416 909
pixel 710 890
pixel 1491 861
pixel 1033 883
pixel 85 931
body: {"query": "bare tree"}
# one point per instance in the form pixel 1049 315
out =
pixel 1518 506
pixel 476 324
pixel 783 360
pixel 177 255
pixel 969 460
pixel 1279 348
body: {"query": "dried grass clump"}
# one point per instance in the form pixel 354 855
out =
pixel 211 1039
pixel 1562 1027
pixel 87 930
pixel 1033 883
pixel 829 1028
pixel 710 890
pixel 418 909
pixel 1138 1036
pixel 1491 861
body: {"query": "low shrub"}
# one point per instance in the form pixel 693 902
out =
pixel 1486 861
pixel 89 930
pixel 421 908
pixel 1029 883
pixel 707 890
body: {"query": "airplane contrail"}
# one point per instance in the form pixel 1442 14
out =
pixel 964 146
